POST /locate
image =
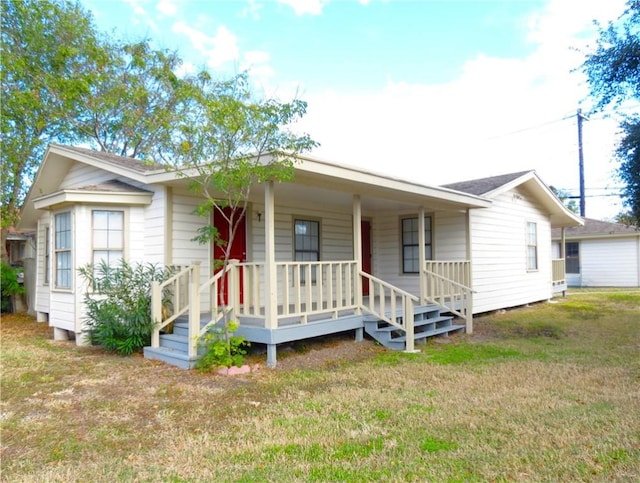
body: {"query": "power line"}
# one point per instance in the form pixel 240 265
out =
pixel 530 128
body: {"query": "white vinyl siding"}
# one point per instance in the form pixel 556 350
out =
pixel 184 227
pixel 499 243
pixel 43 292
pixel 80 175
pixel 612 262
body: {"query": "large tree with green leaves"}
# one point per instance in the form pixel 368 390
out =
pixel 63 81
pixel 50 55
pixel 229 142
pixel 613 71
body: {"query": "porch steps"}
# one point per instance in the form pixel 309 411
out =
pixel 429 321
pixel 174 347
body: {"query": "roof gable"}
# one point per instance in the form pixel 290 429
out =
pixel 484 186
pixel 493 186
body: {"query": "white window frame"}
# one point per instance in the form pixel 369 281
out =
pixel 531 234
pixel 302 250
pixel 575 257
pixel 413 244
pixel 115 242
pixel 47 255
pixel 63 252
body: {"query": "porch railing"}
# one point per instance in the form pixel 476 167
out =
pixel 171 299
pixel 304 289
pixel 181 294
pixel 558 274
pixel 400 311
pixel 448 284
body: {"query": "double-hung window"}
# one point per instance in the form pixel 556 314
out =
pixel 108 237
pixel 532 246
pixel 307 244
pixel 62 245
pixel 572 257
pixel 410 243
pixel 47 255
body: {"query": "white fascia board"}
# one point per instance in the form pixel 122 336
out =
pixel 78 196
pixel 603 236
pixel 105 165
pixel 357 176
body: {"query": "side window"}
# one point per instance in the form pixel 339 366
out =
pixel 47 255
pixel 108 236
pixel 572 257
pixel 306 243
pixel 410 252
pixel 532 246
pixel 62 247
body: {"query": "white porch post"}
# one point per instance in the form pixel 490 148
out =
pixel 194 309
pixel 270 276
pixel 270 279
pixel 469 308
pixel 357 253
pixel 422 256
pixel 357 246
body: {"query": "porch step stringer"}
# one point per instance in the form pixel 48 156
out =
pixel 429 321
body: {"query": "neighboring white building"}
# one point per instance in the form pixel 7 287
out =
pixel 374 245
pixel 601 254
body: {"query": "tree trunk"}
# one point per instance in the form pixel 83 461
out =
pixel 4 255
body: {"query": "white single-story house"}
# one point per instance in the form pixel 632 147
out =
pixel 337 249
pixel 600 254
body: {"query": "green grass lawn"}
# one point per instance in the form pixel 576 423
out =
pixel 549 392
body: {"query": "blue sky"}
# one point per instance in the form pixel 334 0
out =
pixel 434 91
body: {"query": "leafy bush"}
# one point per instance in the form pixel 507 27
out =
pixel 9 284
pixel 222 348
pixel 118 304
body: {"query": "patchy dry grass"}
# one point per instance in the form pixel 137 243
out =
pixel 543 393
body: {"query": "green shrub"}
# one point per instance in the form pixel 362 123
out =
pixel 9 284
pixel 221 348
pixel 118 304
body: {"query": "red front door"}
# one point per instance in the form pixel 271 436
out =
pixel 238 248
pixel 365 228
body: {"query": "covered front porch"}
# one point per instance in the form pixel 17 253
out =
pixel 386 251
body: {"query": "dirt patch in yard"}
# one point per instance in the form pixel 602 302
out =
pixel 322 352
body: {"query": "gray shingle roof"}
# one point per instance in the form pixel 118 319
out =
pixel 126 162
pixel 593 228
pixel 481 186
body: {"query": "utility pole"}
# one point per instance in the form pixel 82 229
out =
pixel 581 162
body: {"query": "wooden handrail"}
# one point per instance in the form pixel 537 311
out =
pixel 448 284
pixel 379 291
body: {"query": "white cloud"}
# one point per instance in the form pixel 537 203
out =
pixel 217 50
pixel 251 10
pixel 256 62
pixel 500 115
pixel 302 7
pixel 141 16
pixel 167 7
